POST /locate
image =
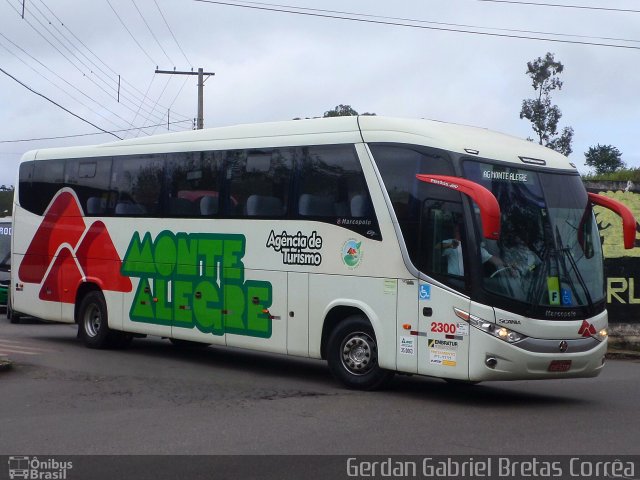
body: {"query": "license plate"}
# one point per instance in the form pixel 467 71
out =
pixel 559 366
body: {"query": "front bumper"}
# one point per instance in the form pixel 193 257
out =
pixel 511 362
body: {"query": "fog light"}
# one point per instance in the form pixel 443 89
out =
pixel 491 362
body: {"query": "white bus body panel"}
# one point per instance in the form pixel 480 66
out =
pixel 297 314
pixel 382 285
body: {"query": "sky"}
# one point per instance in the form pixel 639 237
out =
pixel 460 61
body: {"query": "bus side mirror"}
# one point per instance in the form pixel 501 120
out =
pixel 486 201
pixel 628 220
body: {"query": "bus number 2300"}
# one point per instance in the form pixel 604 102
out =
pixel 439 327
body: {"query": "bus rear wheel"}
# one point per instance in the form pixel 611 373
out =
pixel 352 355
pixel 93 324
pixel 13 316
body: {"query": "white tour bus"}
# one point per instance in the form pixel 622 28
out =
pixel 381 245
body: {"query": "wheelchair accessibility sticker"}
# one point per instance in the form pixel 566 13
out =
pixel 425 292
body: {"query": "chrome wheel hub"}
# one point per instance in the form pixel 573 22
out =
pixel 359 353
pixel 92 320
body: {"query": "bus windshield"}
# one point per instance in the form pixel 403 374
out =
pixel 549 247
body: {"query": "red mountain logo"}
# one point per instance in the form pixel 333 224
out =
pixel 586 329
pixel 69 254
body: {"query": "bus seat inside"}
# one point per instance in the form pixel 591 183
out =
pixel 264 205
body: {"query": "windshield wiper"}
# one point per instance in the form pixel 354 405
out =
pixel 566 251
pixel 538 285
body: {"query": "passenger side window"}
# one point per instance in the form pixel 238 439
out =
pixel 331 184
pixel 259 182
pixel 89 178
pixel 193 180
pixel 25 186
pixel 46 180
pixel 137 182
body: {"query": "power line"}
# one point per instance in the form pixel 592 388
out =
pixel 88 77
pixel 430 22
pixel 390 22
pixel 127 29
pixel 133 88
pixel 90 134
pixel 581 7
pixel 174 101
pixel 159 96
pixel 57 104
pixel 151 114
pixel 171 31
pixel 56 85
pixel 131 34
pixel 153 34
pixel 134 92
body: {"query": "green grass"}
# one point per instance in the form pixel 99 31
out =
pixel 6 203
pixel 632 174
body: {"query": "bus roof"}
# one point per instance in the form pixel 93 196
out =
pixel 453 137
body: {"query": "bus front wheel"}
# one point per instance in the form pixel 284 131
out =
pixel 93 324
pixel 352 355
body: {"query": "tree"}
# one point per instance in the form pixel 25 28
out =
pixel 543 115
pixel 340 111
pixel 604 159
pixel 343 111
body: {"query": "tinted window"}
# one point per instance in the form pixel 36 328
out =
pixel 25 187
pixel 137 183
pixel 259 182
pixel 330 179
pixel 331 188
pixel 47 178
pixel 428 215
pixel 328 185
pixel 89 178
pixel 194 184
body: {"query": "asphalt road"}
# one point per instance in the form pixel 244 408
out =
pixel 62 399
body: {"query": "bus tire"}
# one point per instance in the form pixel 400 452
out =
pixel 352 355
pixel 11 314
pixel 93 324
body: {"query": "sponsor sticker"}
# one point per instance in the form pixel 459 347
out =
pixel 443 358
pixel 451 345
pixel 352 253
pixel 407 346
pixel 390 286
pixel 462 328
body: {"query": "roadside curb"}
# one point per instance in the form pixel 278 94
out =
pixel 620 354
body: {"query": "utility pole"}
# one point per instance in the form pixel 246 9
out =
pixel 201 79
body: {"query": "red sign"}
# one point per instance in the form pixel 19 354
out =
pixel 559 366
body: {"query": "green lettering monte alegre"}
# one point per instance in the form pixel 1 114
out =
pixel 197 281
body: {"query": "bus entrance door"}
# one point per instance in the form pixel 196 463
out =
pixel 443 337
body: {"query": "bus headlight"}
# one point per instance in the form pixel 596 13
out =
pixel 603 334
pixel 503 333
